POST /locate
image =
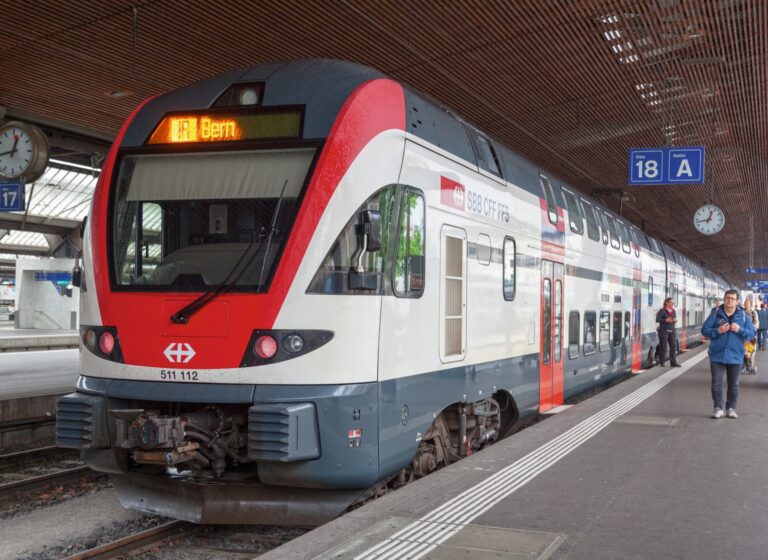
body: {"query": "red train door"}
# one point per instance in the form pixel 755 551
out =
pixel 637 335
pixel 551 362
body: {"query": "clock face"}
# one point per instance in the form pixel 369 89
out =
pixel 23 151
pixel 709 219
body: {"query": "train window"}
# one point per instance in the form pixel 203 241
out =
pixel 332 277
pixel 635 241
pixel 409 263
pixel 558 320
pixel 453 307
pixel 605 330
pixel 650 291
pixel 574 214
pixel 483 249
pixel 593 231
pixel 590 332
pixel 489 159
pixel 603 227
pixel 617 324
pixel 615 240
pixel 574 323
pixel 509 268
pixel 549 195
pixel 627 325
pixel 625 240
pixel 225 218
pixel 546 329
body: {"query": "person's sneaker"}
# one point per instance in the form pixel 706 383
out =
pixel 718 413
pixel 730 414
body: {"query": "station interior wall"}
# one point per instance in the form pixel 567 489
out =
pixel 39 304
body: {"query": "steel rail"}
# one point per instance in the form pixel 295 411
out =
pixel 144 538
pixel 31 483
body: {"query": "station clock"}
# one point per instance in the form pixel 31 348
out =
pixel 24 151
pixel 709 219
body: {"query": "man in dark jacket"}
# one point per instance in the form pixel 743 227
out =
pixel 727 329
pixel 762 315
pixel 666 318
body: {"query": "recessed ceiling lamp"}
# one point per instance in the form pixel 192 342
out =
pixel 118 93
pixel 703 60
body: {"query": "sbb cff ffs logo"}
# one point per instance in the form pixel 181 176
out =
pixel 179 353
pixel 452 193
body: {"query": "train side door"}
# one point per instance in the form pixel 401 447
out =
pixel 636 336
pixel 551 350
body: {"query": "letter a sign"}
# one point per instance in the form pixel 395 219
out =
pixel 666 166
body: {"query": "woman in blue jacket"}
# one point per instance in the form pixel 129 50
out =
pixel 727 329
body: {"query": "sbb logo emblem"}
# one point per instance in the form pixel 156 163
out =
pixel 452 193
pixel 179 352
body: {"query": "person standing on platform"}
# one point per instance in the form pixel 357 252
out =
pixel 762 315
pixel 727 329
pixel 666 318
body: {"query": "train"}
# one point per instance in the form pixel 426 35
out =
pixel 303 283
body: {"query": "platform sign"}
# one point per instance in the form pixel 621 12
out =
pixel 666 166
pixel 12 197
pixel 756 270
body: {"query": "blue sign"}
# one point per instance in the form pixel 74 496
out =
pixel 756 270
pixel 666 166
pixel 11 197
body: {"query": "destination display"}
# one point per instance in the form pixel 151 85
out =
pixel 222 127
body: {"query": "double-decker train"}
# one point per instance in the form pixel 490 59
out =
pixel 302 281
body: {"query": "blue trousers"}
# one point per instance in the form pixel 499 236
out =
pixel 761 338
pixel 718 372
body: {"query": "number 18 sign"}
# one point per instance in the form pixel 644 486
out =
pixel 666 166
pixel 11 197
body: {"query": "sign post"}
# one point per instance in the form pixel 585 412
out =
pixel 666 166
pixel 12 197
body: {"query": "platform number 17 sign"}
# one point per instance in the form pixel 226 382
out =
pixel 11 197
pixel 666 166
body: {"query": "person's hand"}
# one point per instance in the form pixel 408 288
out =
pixel 724 328
pixel 735 327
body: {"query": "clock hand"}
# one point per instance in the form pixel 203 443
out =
pixel 8 152
pixel 710 215
pixel 15 141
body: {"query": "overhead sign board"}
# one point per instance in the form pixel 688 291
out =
pixel 666 166
pixel 12 197
pixel 756 270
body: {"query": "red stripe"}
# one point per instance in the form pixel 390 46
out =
pixel 141 319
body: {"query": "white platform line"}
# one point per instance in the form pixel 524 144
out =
pixel 424 535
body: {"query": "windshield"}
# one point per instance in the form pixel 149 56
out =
pixel 183 221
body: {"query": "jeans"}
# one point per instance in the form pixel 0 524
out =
pixel 761 338
pixel 718 371
pixel 667 340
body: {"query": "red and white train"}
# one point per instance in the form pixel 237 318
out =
pixel 304 280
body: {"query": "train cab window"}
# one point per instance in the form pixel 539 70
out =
pixel 510 268
pixel 549 196
pixel 333 276
pixel 615 239
pixel 625 240
pixel 617 324
pixel 225 218
pixel 593 231
pixel 605 330
pixel 409 262
pixel 574 214
pixel 650 291
pixel 574 324
pixel 590 332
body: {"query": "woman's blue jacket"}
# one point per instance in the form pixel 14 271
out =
pixel 727 348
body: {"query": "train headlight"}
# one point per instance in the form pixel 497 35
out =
pixel 293 343
pixel 106 342
pixel 90 339
pixel 265 347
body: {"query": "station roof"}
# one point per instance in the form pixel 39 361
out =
pixel 572 86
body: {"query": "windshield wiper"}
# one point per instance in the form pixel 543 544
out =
pixel 182 316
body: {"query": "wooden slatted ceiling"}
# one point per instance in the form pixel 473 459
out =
pixel 570 85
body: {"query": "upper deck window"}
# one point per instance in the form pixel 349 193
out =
pixel 186 222
pixel 574 214
pixel 593 231
pixel 549 196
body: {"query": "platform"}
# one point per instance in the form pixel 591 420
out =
pixel 638 471
pixel 37 373
pixel 14 340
